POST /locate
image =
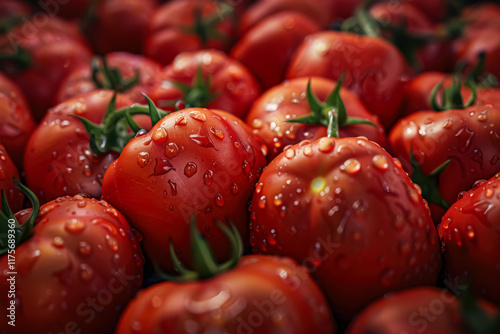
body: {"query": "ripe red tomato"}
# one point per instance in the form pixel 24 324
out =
pixel 16 121
pixel 12 9
pixel 128 65
pixel 376 70
pixel 436 10
pixel 263 294
pixel 425 310
pixel 76 273
pixel 43 55
pixel 187 26
pixel 194 161
pixel 266 49
pixel 119 25
pixel 288 100
pixel 471 242
pixel 347 211
pixel 58 159
pixel 7 172
pixel 223 83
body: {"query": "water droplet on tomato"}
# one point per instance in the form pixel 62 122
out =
pixel 159 135
pixel 143 159
pixel 351 166
pixel 201 138
pixel 380 162
pixel 58 242
pixel 470 232
pixel 246 167
pixel 271 237
pixel 326 145
pixel 181 120
pixel 482 117
pixel 448 123
pixel 171 150
pixel 162 167
pixel 112 243
pixel 289 153
pixel 74 225
pixel 111 211
pixel 219 200
pixel 190 169
pixel 173 187
pixel 262 202
pixel 464 136
pixel 197 115
pixel 257 123
pixel 234 189
pixel 84 248
pixel 258 188
pixel 208 177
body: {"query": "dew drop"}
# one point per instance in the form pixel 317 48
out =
pixel 74 225
pixel 197 115
pixel 143 159
pixel 290 153
pixel 84 248
pixel 219 200
pixel 208 177
pixel 257 123
pixel 380 162
pixel 326 145
pixel 308 151
pixel 181 120
pixel 159 135
pixel 58 242
pixel 171 150
pixel 261 203
pixel 190 169
pixel 234 189
pixel 217 133
pixel 112 212
pixel 351 166
pixel 112 243
pixel 277 200
pixel 173 187
pixel 246 167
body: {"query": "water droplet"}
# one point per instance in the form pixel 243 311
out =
pixel 181 120
pixel 413 193
pixel 234 189
pixel 482 116
pixel 257 123
pixel 201 138
pixel 171 150
pixel 159 135
pixel 262 202
pixel 289 153
pixel 397 163
pixel 380 162
pixel 141 133
pixel 258 188
pixel 246 167
pixel 351 166
pixel 143 159
pixel 308 151
pixel 86 273
pixel 197 115
pixel 111 211
pixel 448 123
pixel 58 242
pixel 271 237
pixel 84 248
pixel 208 177
pixel 489 192
pixel 217 133
pixel 477 156
pixel 173 187
pixel 470 232
pixel 190 169
pixel 326 145
pixel 464 136
pixel 74 225
pixel 277 200
pixel 162 167
pixel 112 243
pixel 219 200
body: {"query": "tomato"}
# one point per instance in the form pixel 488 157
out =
pixel 16 121
pixel 77 271
pixel 128 65
pixel 119 25
pixel 343 9
pixel 44 51
pixel 194 161
pixel 376 70
pixel 469 138
pixel 317 10
pixel 470 240
pixel 481 15
pixel 222 84
pixel 425 310
pixel 270 294
pixel 288 100
pixel 7 172
pixel 436 10
pixel 12 9
pixel 348 212
pixel 58 160
pixel 273 40
pixel 187 26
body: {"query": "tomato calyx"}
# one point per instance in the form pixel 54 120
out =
pixel 330 113
pixel 206 28
pixel 112 134
pixel 10 23
pixel 196 95
pixel 452 96
pixel 105 77
pixel 475 318
pixel 477 74
pixel 18 60
pixel 9 224
pixel 428 183
pixel 204 263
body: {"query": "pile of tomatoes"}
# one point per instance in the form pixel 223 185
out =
pixel 238 166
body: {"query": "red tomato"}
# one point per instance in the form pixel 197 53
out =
pixel 119 25
pixel 418 90
pixel 186 26
pixel 227 85
pixel 266 49
pixel 288 100
pixel 436 10
pixel 11 9
pixel 7 172
pixel 346 210
pixel 129 65
pixel 425 310
pixel 343 9
pixel 76 273
pixel 471 242
pixel 194 161
pixel 481 15
pixel 376 70
pixel 58 159
pixel 16 121
pixel 469 138
pixel 263 294
pixel 51 48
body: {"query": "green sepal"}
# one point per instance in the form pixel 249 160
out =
pixel 9 23
pixel 204 263
pixel 21 232
pixel 452 96
pixel 330 113
pixel 112 77
pixel 428 183
pixel 21 58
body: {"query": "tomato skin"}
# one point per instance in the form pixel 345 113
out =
pixel 271 288
pixel 418 90
pixel 56 49
pixel 7 172
pixel 342 207
pixel 207 164
pixel 83 258
pixel 14 8
pixel 165 40
pixel 273 40
pixel 288 100
pixel 470 240
pixel 414 311
pixel 16 121
pixel 80 80
pixel 468 137
pixel 375 70
pixel 58 160
pixel 234 86
pixel 120 25
pixel 436 10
